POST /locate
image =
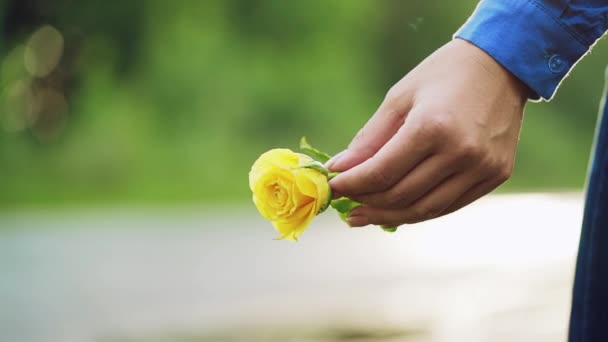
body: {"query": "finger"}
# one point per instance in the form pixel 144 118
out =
pixel 429 206
pixel 394 160
pixel 473 194
pixel 422 179
pixel 376 132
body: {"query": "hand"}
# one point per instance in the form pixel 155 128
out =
pixel 445 135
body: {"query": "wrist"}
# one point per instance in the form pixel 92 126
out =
pixel 514 87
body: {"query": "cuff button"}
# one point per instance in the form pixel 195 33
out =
pixel 556 64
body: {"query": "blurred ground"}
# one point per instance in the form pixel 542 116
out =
pixel 498 271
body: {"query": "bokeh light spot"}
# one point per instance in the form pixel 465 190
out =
pixel 43 51
pixel 17 104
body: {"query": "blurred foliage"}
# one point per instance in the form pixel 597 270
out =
pixel 167 102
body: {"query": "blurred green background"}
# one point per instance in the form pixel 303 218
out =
pixel 160 102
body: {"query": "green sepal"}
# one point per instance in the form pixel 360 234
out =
pixel 326 204
pixel 315 165
pixel 313 152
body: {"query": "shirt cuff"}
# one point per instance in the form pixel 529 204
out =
pixel 527 40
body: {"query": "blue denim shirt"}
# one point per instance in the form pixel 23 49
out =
pixel 538 41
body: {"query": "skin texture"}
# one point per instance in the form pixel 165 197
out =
pixel 445 135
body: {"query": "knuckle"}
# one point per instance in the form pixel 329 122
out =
pixel 435 127
pixel 422 213
pixel 392 95
pixel 379 177
pixel 498 170
pixel 504 172
pixel 359 143
pixel 487 164
pixel 397 198
pixel 471 151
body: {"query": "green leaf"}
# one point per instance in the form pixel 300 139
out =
pixel 389 229
pixel 344 206
pixel 313 152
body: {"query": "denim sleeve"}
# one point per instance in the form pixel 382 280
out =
pixel 538 41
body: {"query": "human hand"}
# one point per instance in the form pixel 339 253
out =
pixel 445 135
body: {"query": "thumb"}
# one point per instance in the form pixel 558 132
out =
pixel 377 131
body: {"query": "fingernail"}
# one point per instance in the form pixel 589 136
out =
pixel 357 221
pixel 334 159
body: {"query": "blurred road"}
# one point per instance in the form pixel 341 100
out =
pixel 498 271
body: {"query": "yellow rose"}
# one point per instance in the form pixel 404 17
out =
pixel 286 193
